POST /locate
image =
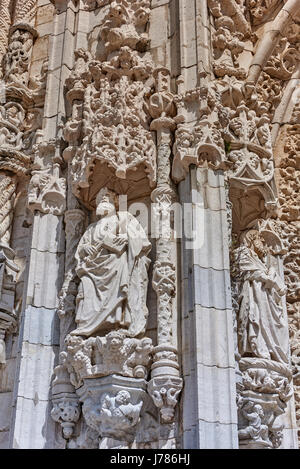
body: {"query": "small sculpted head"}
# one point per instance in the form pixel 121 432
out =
pixel 123 397
pixel 106 202
pixel 114 341
pixel 253 240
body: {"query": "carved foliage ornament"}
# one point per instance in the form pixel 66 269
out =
pixel 115 126
pixel 203 144
pixel 260 9
pixel 47 192
pixel 103 356
pixel 124 24
pixel 231 29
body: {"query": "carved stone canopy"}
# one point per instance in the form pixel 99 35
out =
pixel 135 186
pixel 249 203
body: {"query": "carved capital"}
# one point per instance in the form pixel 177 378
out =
pixel 165 391
pixel 112 406
pixel 66 411
pixel 263 396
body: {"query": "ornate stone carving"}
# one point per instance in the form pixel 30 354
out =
pixel 5 21
pixel 288 173
pixel 165 368
pixel 265 385
pixel 164 285
pixel 247 136
pixel 117 415
pixel 25 11
pixel 8 186
pixel 255 430
pixel 201 144
pixel 268 92
pixel 47 192
pixel 231 30
pixel 124 25
pixel 165 394
pixel 17 58
pixel 12 117
pixel 112 406
pixel 261 317
pixel 66 409
pixel 8 269
pixel 261 9
pixel 66 412
pixel 115 128
pixel 265 389
pixel 102 356
pixel 112 265
pixel 283 61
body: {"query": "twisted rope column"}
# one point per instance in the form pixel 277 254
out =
pixel 8 185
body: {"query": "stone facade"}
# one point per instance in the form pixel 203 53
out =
pixel 149 224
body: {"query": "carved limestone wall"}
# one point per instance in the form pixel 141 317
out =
pixel 287 159
pixel 149 224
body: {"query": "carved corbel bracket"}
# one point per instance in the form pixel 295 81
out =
pixel 66 407
pixel 112 406
pixel 263 395
pixel 17 58
pixel 165 391
pixel 103 356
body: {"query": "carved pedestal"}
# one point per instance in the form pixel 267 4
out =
pixel 111 406
pixel 265 390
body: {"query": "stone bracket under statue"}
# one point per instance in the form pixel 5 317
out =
pixel 265 389
pixel 112 405
pixel 109 375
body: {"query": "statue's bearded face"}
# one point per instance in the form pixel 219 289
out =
pixel 105 205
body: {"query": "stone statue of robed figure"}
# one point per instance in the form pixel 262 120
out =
pixel 262 327
pixel 112 265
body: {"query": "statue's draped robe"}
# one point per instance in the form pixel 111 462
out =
pixel 113 288
pixel 261 323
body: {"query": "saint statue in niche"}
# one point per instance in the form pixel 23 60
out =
pixel 112 265
pixel 262 328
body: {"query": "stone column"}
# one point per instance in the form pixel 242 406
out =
pixel 166 383
pixel 8 185
pixel 8 269
pixel 33 426
pixel 5 21
pixel 208 406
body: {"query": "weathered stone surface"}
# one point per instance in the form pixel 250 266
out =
pixel 149 224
